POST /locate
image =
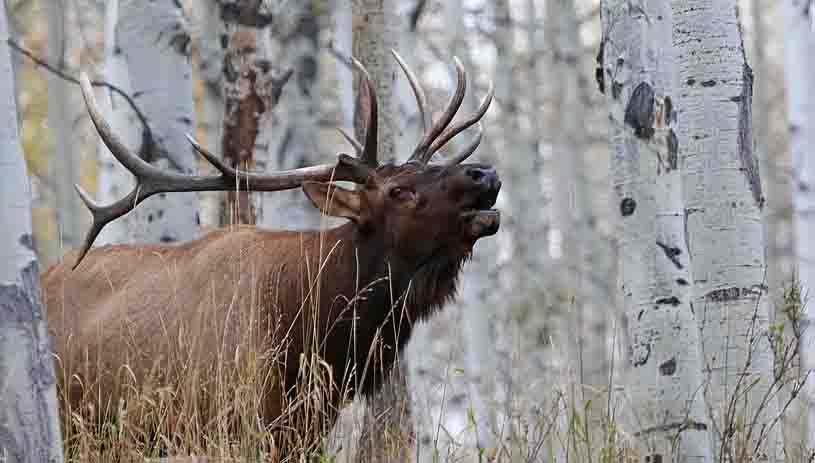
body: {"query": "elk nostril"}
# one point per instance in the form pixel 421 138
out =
pixel 475 174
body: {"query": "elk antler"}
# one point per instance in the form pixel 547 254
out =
pixel 368 152
pixel 435 135
pixel 151 180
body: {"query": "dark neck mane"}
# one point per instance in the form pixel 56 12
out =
pixel 398 295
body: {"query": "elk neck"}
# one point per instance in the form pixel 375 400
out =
pixel 389 295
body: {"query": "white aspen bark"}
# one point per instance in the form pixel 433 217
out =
pixel 563 359
pixel 155 40
pixel 799 60
pixel 724 226
pixel 114 181
pixel 479 297
pixel 374 35
pixel 210 28
pixel 666 405
pixel 29 413
pixel 252 85
pixel 289 137
pixel 408 117
pixel 346 433
pixel 570 205
pixel 344 45
pixel 62 107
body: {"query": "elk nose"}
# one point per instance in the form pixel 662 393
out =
pixel 485 176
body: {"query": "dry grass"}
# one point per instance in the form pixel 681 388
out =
pixel 188 411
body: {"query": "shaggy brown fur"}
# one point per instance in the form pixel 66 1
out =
pixel 172 313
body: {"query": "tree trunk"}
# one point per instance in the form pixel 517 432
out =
pixel 387 424
pixel 62 106
pixel 155 41
pixel 723 218
pixel 344 45
pixel 665 400
pixel 29 413
pixel 290 136
pixel 252 85
pixel 114 181
pixel 799 48
pixel 374 32
pixel 210 28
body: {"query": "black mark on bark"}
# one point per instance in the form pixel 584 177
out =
pixel 708 83
pixel 20 303
pixel 672 253
pixel 673 150
pixel 673 300
pixel 627 206
pixel 27 241
pixel 670 113
pixel 733 294
pixel 749 163
pixel 682 282
pixel 668 368
pixel 639 113
pixel 599 71
pixel 616 90
pixel 246 13
pixel 680 426
pixel 643 359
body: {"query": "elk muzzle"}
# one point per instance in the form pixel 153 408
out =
pixel 482 220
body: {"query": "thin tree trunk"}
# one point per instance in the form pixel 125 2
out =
pixel 799 48
pixel 374 34
pixel 114 181
pixel 155 41
pixel 666 403
pixel 210 28
pixel 344 44
pixel 29 413
pixel 290 136
pixel 723 218
pixel 62 107
pixel 252 85
pixel 387 422
pixel 479 298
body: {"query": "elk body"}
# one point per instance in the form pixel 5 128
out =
pixel 350 294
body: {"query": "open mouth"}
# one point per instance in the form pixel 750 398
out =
pixel 481 220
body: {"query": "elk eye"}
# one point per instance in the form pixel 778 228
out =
pixel 401 194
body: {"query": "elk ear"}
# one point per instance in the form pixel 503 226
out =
pixel 334 200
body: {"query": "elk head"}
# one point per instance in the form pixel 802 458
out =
pixel 417 209
pixel 414 210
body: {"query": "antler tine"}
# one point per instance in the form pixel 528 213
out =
pixel 451 132
pixel 418 92
pixel 421 152
pixel 468 150
pixel 353 141
pixel 369 151
pixel 151 180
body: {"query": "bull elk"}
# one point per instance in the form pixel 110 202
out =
pixel 349 293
